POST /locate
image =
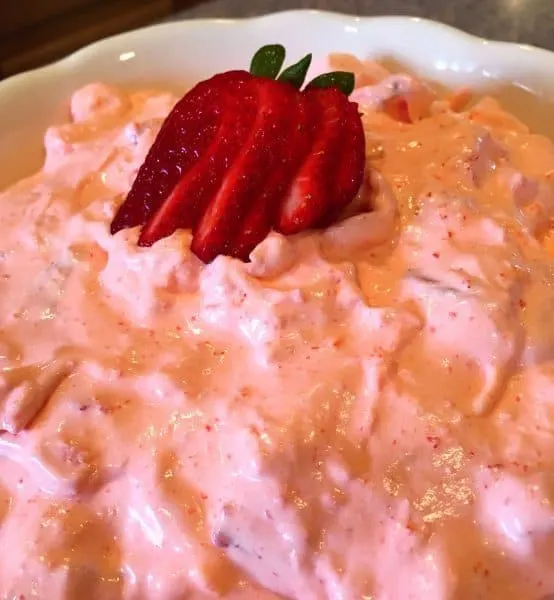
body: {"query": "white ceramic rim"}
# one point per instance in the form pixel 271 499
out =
pixel 508 51
pixel 181 52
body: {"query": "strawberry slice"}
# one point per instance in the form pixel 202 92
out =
pixel 296 144
pixel 184 137
pixel 189 199
pixel 311 192
pixel 351 166
pixel 245 188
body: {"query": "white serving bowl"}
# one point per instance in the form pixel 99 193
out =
pixel 176 54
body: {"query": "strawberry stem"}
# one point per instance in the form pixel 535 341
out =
pixel 268 61
pixel 342 80
pixel 296 74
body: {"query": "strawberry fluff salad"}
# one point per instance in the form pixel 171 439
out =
pixel 362 410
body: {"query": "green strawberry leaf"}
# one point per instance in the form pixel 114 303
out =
pixel 268 61
pixel 342 80
pixel 296 74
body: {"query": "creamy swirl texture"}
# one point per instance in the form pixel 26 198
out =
pixel 363 412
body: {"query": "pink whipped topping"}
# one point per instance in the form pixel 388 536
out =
pixel 361 413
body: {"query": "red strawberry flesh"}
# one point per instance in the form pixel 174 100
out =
pixel 295 144
pixel 185 136
pixel 310 193
pixel 351 165
pixel 190 198
pixel 246 183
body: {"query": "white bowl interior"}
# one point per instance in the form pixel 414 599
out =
pixel 174 55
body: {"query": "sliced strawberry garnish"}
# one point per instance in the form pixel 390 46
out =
pixel 193 193
pixel 247 177
pixel 311 191
pixel 242 153
pixel 185 136
pixel 292 148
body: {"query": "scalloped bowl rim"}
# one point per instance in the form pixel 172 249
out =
pixel 87 51
pixel 180 52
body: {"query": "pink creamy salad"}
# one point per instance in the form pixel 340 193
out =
pixel 360 413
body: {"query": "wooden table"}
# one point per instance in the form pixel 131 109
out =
pixel 36 32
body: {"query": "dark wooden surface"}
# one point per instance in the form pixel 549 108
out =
pixel 36 32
